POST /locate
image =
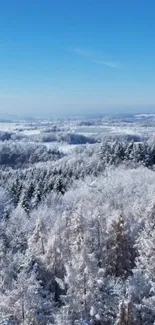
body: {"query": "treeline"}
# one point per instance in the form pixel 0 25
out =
pixel 109 152
pixel 128 151
pixel 17 155
pixel 65 137
pixel 30 186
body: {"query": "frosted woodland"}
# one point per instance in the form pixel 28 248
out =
pixel 77 222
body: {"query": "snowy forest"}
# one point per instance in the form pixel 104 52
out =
pixel 77 222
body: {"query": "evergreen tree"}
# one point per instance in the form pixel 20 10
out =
pixel 120 254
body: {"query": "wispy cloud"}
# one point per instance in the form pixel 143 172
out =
pixel 97 59
pixel 110 64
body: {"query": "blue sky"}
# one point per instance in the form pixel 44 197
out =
pixel 81 56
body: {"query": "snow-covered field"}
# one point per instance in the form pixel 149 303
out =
pixel 133 129
pixel 53 134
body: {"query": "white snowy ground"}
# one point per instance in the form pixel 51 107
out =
pixel 113 128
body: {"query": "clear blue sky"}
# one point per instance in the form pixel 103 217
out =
pixel 77 56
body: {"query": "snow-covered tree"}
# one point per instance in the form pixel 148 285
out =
pixel 120 254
